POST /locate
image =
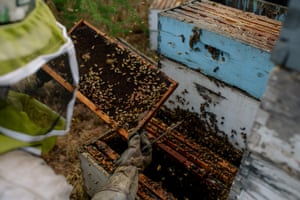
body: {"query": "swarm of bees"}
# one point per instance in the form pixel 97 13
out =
pixel 202 131
pixel 215 172
pixel 119 82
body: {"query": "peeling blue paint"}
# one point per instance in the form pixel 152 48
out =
pixel 238 64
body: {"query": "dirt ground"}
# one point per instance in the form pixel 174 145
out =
pixel 63 158
pixel 86 125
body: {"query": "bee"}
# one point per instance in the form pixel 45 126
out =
pixel 216 69
pixel 182 38
pixel 86 57
pixel 195 37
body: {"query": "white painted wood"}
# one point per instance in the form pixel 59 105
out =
pixel 276 132
pixel 260 179
pixel 272 170
pixel 153 28
pixel 94 175
pixel 235 111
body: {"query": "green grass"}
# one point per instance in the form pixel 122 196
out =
pixel 116 17
pixel 68 11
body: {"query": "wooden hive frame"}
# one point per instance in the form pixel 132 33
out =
pixel 95 108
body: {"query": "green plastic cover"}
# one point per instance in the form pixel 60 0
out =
pixel 34 119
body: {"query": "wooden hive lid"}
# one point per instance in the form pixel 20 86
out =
pixel 165 4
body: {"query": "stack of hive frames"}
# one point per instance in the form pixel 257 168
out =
pixel 211 169
pixel 183 162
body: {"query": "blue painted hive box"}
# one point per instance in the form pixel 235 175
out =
pixel 222 42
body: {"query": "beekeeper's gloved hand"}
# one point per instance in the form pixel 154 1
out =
pixel 139 152
pixel 123 183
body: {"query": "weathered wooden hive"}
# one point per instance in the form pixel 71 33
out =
pixel 277 11
pixel 220 56
pixel 228 44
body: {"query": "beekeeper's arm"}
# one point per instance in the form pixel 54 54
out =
pixel 28 177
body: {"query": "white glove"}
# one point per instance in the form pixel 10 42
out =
pixel 123 184
pixel 139 152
